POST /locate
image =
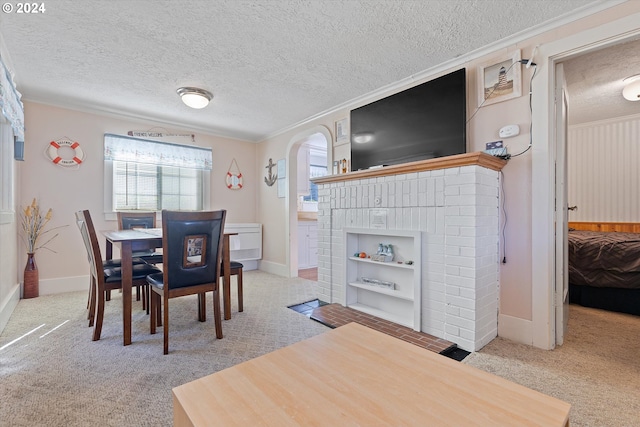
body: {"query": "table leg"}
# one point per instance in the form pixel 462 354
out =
pixel 127 274
pixel 226 294
pixel 109 250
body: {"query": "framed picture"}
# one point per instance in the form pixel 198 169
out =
pixel 342 131
pixel 499 80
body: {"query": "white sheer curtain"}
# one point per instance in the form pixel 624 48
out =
pixel 10 103
pixel 128 149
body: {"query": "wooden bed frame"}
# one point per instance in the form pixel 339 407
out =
pixel 613 299
pixel 619 227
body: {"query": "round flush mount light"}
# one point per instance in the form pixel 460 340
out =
pixel 631 91
pixel 195 97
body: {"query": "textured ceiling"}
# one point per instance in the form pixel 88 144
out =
pixel 594 83
pixel 269 64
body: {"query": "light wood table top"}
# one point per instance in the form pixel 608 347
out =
pixel 356 376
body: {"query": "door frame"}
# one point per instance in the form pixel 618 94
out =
pixel 561 207
pixel 543 174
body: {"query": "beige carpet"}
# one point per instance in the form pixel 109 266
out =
pixel 597 370
pixel 56 376
pixel 59 377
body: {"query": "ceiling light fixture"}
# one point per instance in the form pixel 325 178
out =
pixel 631 91
pixel 194 97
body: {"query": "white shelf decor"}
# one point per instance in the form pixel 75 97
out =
pixel 400 303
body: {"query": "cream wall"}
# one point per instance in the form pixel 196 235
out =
pixel 523 289
pixel 67 190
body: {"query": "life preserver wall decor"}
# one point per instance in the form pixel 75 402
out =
pixel 234 180
pixel 53 153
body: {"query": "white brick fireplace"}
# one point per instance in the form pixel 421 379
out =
pixel 454 203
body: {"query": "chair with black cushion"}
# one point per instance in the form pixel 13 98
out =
pixel 104 279
pixel 192 250
pixel 108 263
pixel 133 220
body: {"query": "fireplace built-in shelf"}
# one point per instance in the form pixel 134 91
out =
pixel 400 304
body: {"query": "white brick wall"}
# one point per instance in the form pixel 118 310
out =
pixel 457 211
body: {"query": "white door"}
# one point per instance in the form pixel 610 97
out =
pixel 561 218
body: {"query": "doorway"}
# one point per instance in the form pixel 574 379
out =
pixel 593 85
pixel 309 156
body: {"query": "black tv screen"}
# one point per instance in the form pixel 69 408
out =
pixel 419 123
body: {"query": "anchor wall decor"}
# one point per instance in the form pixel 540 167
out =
pixel 271 177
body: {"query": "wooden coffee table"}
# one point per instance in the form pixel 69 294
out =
pixel 356 376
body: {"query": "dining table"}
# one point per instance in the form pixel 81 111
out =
pixel 152 237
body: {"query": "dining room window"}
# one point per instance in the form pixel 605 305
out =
pixel 139 186
pixel 151 176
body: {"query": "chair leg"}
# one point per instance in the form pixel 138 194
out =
pixel 158 309
pixel 97 328
pixel 108 296
pixel 166 323
pixel 138 295
pixel 217 316
pixel 92 300
pixel 145 297
pixel 152 316
pixel 202 307
pixel 239 279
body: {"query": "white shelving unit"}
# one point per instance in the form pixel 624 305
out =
pixel 246 246
pixel 399 305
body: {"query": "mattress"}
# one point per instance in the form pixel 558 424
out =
pixel 602 259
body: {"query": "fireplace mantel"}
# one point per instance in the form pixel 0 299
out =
pixel 477 158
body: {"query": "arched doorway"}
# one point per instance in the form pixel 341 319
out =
pixel 309 154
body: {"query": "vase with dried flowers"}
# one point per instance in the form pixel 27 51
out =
pixel 33 230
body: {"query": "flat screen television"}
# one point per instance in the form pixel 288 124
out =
pixel 419 123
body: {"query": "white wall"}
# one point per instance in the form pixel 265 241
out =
pixel 604 170
pixel 67 190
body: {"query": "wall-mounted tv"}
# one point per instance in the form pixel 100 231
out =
pixel 419 123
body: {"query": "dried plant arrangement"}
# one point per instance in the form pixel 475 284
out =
pixel 33 227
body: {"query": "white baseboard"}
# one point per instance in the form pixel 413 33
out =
pixel 249 265
pixel 64 284
pixel 274 268
pixel 8 305
pixel 515 329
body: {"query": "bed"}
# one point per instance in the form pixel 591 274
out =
pixel 604 266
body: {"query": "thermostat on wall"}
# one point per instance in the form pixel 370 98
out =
pixel 509 130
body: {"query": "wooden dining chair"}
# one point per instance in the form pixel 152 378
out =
pixel 128 220
pixel 192 250
pixel 133 220
pixel 107 263
pixel 104 278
